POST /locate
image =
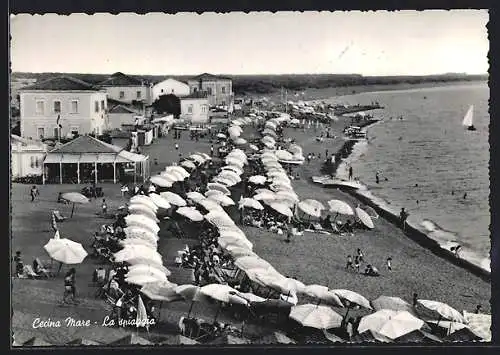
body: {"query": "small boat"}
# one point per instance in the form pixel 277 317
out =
pixel 469 117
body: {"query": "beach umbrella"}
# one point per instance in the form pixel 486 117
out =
pixel 254 147
pixel 173 198
pixel 389 323
pixel 238 153
pixel 322 293
pixel 265 196
pixel 140 209
pixel 236 122
pixel 450 327
pixel 218 292
pixel 220 187
pixel 65 251
pixel 311 207
pixel 220 222
pixel 257 179
pixel 138 251
pixel 188 164
pixel 287 195
pixel 236 233
pixel 191 213
pixel 161 291
pixel 139 269
pixel 159 201
pixel 268 154
pixel 145 200
pixel 74 198
pixel 138 241
pixel 250 203
pixel 159 180
pixel 370 336
pixel 178 169
pixel 251 262
pixel 418 336
pixel 221 136
pixel 195 196
pixel 264 191
pixel 142 221
pixel 209 205
pixel 319 317
pixel 352 297
pixel 234 168
pixel 283 155
pixel 295 149
pixel 173 175
pixel 236 251
pixel 269 132
pixel 213 192
pixel 277 173
pixel 281 208
pixel 239 141
pixel 268 145
pixel 480 324
pixel 197 158
pixel 337 206
pixel 140 232
pixel 272 164
pixel 234 161
pixel 284 285
pixel 230 175
pixel 233 131
pixel 271 124
pixel 222 199
pixel 438 310
pixel 364 218
pixel 224 181
pixel 243 243
pixel 392 303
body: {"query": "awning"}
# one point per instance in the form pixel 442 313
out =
pixel 99 158
pixel 52 159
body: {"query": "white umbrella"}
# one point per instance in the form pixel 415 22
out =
pixel 159 201
pixel 178 169
pixel 233 131
pixel 173 175
pixel 234 161
pixel 224 181
pixel 281 208
pixel 209 205
pixel 137 208
pixel 219 214
pixel 226 241
pixel 218 292
pixel 190 212
pixel 272 164
pixel 253 147
pixel 257 179
pixel 234 168
pixel 140 232
pixel 142 280
pixel 352 297
pixel 392 303
pixel 284 194
pixel 364 218
pixel 213 192
pixel 389 323
pixel 451 327
pixel 337 206
pixel 222 199
pixel 252 262
pixel 159 180
pixel 188 164
pixel 283 155
pixel 271 124
pixel 138 251
pixel 231 175
pixel 237 251
pixel 139 241
pixel 137 270
pixel 221 136
pixel 239 141
pixel 173 198
pixel 149 267
pixel 322 293
pixel 220 187
pixel 437 310
pixel 263 196
pixel 197 158
pixel 311 207
pixel 232 233
pixel 319 317
pixel 144 200
pixel 143 222
pixel 65 251
pixel 268 154
pixel 277 173
pixel 161 291
pixel 479 324
pixel 250 203
pixel 195 196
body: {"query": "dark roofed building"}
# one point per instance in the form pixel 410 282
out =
pixel 127 88
pixel 219 89
pixel 208 76
pixel 61 83
pixel 120 79
pixel 196 95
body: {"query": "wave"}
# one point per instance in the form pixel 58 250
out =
pixel 444 239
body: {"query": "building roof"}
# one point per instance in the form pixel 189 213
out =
pixel 121 109
pixel 120 79
pixel 62 83
pixel 196 95
pixel 170 79
pixel 86 144
pixel 31 142
pixel 207 76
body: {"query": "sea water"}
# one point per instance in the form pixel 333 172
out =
pixel 428 161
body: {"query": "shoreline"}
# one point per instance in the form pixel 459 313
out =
pixel 422 238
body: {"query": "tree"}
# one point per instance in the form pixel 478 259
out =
pixel 169 104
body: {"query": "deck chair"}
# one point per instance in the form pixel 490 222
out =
pixel 29 273
pixel 58 216
pixel 42 269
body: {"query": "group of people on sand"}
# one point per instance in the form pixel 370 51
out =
pixel 359 258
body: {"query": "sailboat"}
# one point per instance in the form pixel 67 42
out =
pixel 469 116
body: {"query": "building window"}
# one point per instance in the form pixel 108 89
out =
pixel 74 131
pixel 102 105
pixel 162 91
pixel 122 94
pixel 190 109
pixel 96 106
pixel 74 106
pixel 56 132
pixel 33 162
pixel 139 95
pixel 41 132
pixel 223 89
pixel 223 103
pixel 209 91
pixel 57 106
pixel 40 107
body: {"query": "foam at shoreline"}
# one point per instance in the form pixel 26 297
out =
pixel 419 228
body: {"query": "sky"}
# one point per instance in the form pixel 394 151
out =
pixel 367 43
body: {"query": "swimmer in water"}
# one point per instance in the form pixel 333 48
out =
pixel 465 195
pixel 416 185
pixel 452 192
pixel 400 138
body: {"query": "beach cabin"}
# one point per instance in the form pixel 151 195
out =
pixel 195 107
pixel 86 159
pixel 219 89
pixel 61 107
pixel 27 156
pixel 170 86
pixel 127 89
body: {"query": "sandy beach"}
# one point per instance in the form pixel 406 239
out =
pixel 312 258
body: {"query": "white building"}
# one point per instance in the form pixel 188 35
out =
pixel 121 115
pixel 195 107
pixel 127 89
pixel 219 89
pixel 26 156
pixel 170 86
pixel 60 107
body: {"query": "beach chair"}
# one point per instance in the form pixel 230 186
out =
pixel 58 216
pixel 42 269
pixel 29 273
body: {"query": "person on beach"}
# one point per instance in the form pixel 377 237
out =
pixel 456 249
pixel 377 179
pixel 19 263
pixel 478 309
pixel 309 158
pixel 389 263
pixel 326 154
pixel 350 172
pixel 356 263
pixel 403 215
pixel 69 285
pixel 465 195
pixel 415 299
pixel 212 150
pixel 360 255
pixel 349 263
pixel 34 193
pixel 176 146
pixel 104 207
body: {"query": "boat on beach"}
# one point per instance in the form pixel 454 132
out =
pixel 468 119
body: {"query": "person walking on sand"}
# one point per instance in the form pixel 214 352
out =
pixel 349 263
pixel 356 263
pixel 403 215
pixel 350 172
pixel 360 255
pixel 104 207
pixel 34 193
pixel 389 263
pixel 326 154
pixel 415 299
pixel 212 150
pixel 69 285
pixel 377 179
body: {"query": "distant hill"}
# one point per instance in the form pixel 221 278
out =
pixel 263 84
